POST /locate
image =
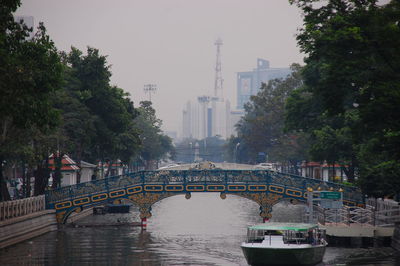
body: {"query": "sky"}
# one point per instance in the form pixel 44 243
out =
pixel 170 43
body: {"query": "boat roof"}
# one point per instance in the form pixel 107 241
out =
pixel 283 226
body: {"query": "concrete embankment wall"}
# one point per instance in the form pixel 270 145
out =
pixel 19 229
pixel 396 237
pixel 15 230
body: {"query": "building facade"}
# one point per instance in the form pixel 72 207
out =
pixel 249 82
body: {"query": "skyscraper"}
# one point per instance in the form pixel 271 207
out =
pixel 249 82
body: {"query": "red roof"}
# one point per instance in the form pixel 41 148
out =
pixel 316 164
pixel 331 165
pixel 67 163
pixel 310 164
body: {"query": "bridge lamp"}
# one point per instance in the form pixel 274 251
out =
pixel 235 153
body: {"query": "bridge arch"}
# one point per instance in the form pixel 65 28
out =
pixel 145 188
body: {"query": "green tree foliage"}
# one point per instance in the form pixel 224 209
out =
pixel 185 150
pixel 155 145
pixel 98 118
pixel 30 72
pixel 209 149
pixel 351 94
pixel 261 130
pixel 212 149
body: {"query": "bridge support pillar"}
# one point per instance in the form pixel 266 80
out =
pixel 265 201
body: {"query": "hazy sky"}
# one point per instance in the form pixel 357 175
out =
pixel 171 42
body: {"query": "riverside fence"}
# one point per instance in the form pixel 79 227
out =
pixel 17 208
pixel 377 212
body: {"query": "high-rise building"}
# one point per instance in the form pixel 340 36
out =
pixel 234 117
pixel 249 82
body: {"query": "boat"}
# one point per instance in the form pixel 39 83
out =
pixel 284 244
pixel 112 208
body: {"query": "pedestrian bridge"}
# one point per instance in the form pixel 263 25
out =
pixel 266 187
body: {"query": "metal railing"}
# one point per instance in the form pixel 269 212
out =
pixel 17 208
pixel 382 213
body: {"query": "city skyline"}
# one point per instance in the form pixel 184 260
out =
pixel 171 43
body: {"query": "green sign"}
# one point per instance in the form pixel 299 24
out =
pixel 330 195
pixel 331 204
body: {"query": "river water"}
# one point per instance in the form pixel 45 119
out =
pixel 204 230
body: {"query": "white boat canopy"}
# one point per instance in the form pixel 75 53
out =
pixel 284 226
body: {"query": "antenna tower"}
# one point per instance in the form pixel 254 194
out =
pixel 218 92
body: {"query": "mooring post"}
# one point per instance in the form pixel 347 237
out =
pixel 144 223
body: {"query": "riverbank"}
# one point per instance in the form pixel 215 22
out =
pixel 20 229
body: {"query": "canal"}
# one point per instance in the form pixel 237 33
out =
pixel 204 230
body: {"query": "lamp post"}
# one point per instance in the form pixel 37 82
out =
pixel 150 88
pixel 190 152
pixel 235 153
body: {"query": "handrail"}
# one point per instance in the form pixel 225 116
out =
pixel 21 207
pixel 386 215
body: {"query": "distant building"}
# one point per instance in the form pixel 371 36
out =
pixel 69 170
pixel 211 116
pixel 234 117
pixel 87 171
pixel 249 82
pixel 323 171
pixel 207 117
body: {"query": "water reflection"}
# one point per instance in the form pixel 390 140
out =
pixel 204 230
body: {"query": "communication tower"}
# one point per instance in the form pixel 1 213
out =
pixel 218 92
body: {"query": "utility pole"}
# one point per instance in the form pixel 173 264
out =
pixel 150 88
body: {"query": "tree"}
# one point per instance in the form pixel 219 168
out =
pixel 155 145
pixel 30 71
pixel 99 117
pixel 351 80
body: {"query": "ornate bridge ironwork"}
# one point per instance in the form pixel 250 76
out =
pixel 147 187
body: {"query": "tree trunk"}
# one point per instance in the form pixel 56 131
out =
pixel 79 159
pixel 57 171
pixel 28 176
pixel 4 194
pixel 42 175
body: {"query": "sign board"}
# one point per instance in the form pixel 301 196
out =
pixel 334 195
pixel 331 204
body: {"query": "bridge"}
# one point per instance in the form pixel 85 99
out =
pixel 265 187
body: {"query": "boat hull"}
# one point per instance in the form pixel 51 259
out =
pixel 258 256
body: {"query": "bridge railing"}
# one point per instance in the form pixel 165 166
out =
pixel 17 208
pixel 278 181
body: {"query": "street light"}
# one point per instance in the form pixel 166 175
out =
pixel 235 153
pixel 190 152
pixel 150 88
